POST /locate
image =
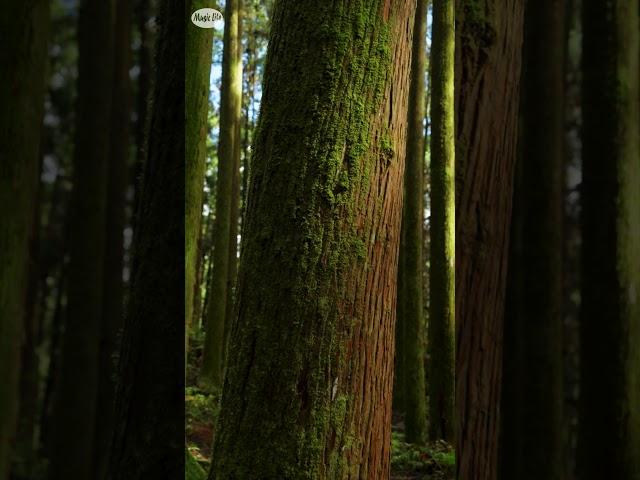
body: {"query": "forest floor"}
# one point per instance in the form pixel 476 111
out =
pixel 434 461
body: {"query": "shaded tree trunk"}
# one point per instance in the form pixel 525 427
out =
pixel 442 241
pixel 610 312
pixel 533 363
pixel 316 292
pixel 113 311
pixel 230 113
pixel 24 53
pixel 415 397
pixel 399 371
pixel 149 434
pixel 488 55
pixel 73 441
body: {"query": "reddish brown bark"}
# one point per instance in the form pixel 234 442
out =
pixel 489 38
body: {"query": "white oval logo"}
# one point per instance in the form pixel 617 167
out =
pixel 207 18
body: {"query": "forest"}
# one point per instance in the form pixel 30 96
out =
pixel 362 239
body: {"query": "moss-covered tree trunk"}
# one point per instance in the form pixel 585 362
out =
pixel 149 434
pixel 198 52
pixel 415 397
pixel 22 87
pixel 533 363
pixel 308 387
pixel 75 404
pixel 230 113
pixel 489 38
pixel 609 422
pixel 113 310
pixel 234 207
pixel 442 242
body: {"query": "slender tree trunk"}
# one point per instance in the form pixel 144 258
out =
pixel 73 441
pixel 199 49
pixel 442 301
pixel 143 10
pixel 113 311
pixel 535 319
pixel 149 434
pixel 24 57
pixel 610 313
pixel 415 397
pixel 230 113
pixel 488 55
pixel 24 443
pixel 399 371
pixel 234 216
pixel 316 293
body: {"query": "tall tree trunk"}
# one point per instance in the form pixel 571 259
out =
pixel 25 441
pixel 24 55
pixel 230 113
pixel 75 406
pixel 143 11
pixel 149 434
pixel 533 363
pixel 198 51
pixel 113 310
pixel 316 292
pixel 234 212
pixel 399 371
pixel 610 313
pixel 488 55
pixel 442 242
pixel 415 397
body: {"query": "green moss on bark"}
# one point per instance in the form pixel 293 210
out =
pixel 198 53
pixel 442 242
pixel 315 297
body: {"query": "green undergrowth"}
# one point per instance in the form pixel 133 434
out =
pixel 201 408
pixel 434 461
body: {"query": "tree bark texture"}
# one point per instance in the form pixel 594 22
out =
pixel 308 388
pixel 489 38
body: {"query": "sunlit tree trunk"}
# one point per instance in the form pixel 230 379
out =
pixel 308 387
pixel 415 397
pixel 230 114
pixel 442 241
pixel 198 51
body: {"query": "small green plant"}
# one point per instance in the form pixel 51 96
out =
pixel 434 461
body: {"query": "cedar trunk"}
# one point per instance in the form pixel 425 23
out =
pixel 308 387
pixel 442 241
pixel 149 433
pixel 22 86
pixel 198 51
pixel 533 363
pixel 230 113
pixel 76 398
pixel 610 312
pixel 113 310
pixel 415 397
pixel 489 38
